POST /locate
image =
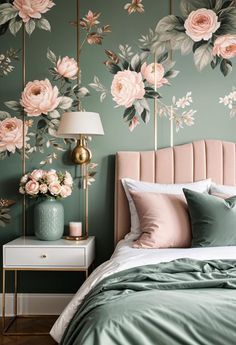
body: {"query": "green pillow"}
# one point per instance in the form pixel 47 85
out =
pixel 213 219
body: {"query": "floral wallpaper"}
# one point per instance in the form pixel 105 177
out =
pixel 137 58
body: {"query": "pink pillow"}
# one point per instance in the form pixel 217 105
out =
pixel 164 220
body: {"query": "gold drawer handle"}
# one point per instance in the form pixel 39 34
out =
pixel 43 256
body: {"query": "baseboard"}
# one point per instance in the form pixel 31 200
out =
pixel 37 304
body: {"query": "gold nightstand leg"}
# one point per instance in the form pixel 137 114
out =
pixel 3 298
pixel 86 273
pixel 6 327
pixel 15 293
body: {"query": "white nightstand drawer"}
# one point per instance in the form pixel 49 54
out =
pixel 43 257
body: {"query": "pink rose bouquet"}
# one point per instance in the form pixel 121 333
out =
pixel 207 29
pixel 46 183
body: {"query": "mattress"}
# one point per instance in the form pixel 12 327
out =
pixel 125 257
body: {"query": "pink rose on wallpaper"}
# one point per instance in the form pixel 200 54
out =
pixel 32 187
pixel 127 86
pixel 39 97
pixel 225 46
pixel 201 24
pixel 11 134
pixel 148 72
pixel 55 188
pixel 32 8
pixel 67 67
pixel 65 191
pixel 37 174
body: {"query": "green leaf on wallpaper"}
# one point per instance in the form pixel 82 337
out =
pixel 103 96
pixel 129 113
pixel 138 107
pixel 54 114
pixel 145 116
pixel 160 47
pixel 7 12
pixel 14 105
pixel 187 6
pixel 113 68
pixel 215 61
pixel 168 23
pixel 203 56
pixel 125 64
pixel 163 57
pixel 226 3
pixel 179 40
pixel 217 5
pixel 65 103
pixel 135 63
pixel 15 25
pixel 196 45
pixel 4 115
pixel 41 124
pixel 226 67
pixel 171 74
pixel 82 92
pixel 228 23
pixel 43 24
pixel 151 93
pixel 3 155
pixel 30 26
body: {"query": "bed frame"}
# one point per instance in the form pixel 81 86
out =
pixel 179 164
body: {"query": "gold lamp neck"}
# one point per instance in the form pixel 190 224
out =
pixel 81 153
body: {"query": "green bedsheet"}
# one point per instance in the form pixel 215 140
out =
pixel 183 302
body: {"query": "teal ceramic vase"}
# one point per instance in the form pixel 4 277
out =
pixel 49 220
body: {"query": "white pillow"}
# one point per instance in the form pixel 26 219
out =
pixel 139 186
pixel 220 188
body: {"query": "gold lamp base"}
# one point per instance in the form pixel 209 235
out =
pixel 76 238
pixel 81 153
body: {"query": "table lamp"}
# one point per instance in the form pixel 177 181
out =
pixel 79 125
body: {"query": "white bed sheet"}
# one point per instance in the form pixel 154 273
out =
pixel 125 257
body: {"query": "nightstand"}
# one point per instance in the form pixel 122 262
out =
pixel 31 254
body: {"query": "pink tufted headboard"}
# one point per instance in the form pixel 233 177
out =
pixel 184 163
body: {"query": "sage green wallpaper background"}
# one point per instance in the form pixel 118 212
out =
pixel 211 120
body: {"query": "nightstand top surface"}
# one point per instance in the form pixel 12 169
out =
pixel 33 241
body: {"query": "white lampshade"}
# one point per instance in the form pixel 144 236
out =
pixel 73 124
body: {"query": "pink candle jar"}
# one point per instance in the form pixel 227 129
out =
pixel 75 229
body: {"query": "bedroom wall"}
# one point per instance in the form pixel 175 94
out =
pixel 211 120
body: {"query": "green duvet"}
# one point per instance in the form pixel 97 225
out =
pixel 183 302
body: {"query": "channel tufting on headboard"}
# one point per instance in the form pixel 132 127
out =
pixel 190 162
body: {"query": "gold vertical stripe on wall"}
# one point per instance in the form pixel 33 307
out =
pixel 78 46
pixel 155 104
pixel 84 167
pixel 171 57
pixel 23 158
pixel 156 100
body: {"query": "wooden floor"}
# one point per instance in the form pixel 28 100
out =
pixel 39 324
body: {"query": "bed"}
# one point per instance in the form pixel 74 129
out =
pixel 125 303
